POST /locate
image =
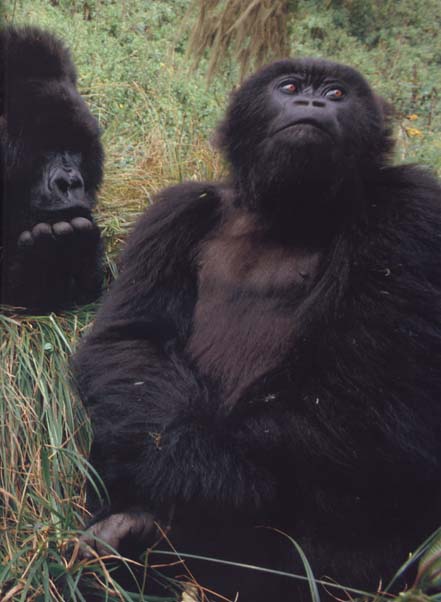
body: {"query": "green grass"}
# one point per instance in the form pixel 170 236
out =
pixel 157 118
pixel 45 437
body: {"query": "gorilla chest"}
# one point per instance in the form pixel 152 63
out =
pixel 245 316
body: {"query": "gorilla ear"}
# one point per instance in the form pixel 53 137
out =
pixel 386 142
pixel 222 134
pixel 218 137
pixel 386 109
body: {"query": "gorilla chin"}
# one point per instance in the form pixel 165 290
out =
pixel 302 128
pixel 299 164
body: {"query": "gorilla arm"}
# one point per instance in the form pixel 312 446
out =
pixel 154 419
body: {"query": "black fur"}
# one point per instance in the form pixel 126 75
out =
pixel 52 162
pixel 269 354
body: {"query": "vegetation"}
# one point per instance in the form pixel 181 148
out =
pixel 157 117
pixel 254 31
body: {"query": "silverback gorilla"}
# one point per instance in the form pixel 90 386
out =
pixel 269 355
pixel 52 166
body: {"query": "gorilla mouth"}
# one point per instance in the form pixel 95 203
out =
pixel 312 122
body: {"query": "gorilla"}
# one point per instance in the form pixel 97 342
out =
pixel 52 163
pixel 266 367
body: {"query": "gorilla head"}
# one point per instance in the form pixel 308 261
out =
pixel 52 161
pixel 300 128
pixel 53 157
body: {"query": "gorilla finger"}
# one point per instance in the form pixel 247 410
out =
pixel 142 524
pixel 82 223
pixel 97 543
pixel 25 239
pixel 42 230
pixel 87 548
pixel 115 528
pixel 62 228
pixel 104 536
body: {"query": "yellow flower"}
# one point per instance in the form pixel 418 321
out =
pixel 412 132
pixel 412 117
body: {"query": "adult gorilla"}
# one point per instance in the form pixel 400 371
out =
pixel 52 166
pixel 270 352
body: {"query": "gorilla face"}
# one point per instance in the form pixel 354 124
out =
pixel 60 190
pixel 52 150
pixel 303 126
pixel 308 121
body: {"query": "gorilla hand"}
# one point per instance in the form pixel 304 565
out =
pixel 106 535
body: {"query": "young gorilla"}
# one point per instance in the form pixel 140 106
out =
pixel 52 166
pixel 269 354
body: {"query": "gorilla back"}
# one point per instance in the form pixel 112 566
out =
pixel 269 354
pixel 52 166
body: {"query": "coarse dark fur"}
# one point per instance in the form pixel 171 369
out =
pixel 51 164
pixel 269 355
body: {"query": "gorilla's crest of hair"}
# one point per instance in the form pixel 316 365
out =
pixel 30 52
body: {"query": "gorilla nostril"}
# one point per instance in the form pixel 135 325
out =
pixel 302 102
pixel 62 184
pixel 76 183
pixel 64 181
pixel 318 103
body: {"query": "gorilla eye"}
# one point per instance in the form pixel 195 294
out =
pixel 335 94
pixel 288 87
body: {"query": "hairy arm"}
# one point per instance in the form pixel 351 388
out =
pixel 156 436
pixel 387 340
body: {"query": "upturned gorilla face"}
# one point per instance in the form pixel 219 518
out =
pixel 303 123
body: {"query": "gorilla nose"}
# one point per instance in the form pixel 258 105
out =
pixel 306 102
pixel 67 196
pixel 66 183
